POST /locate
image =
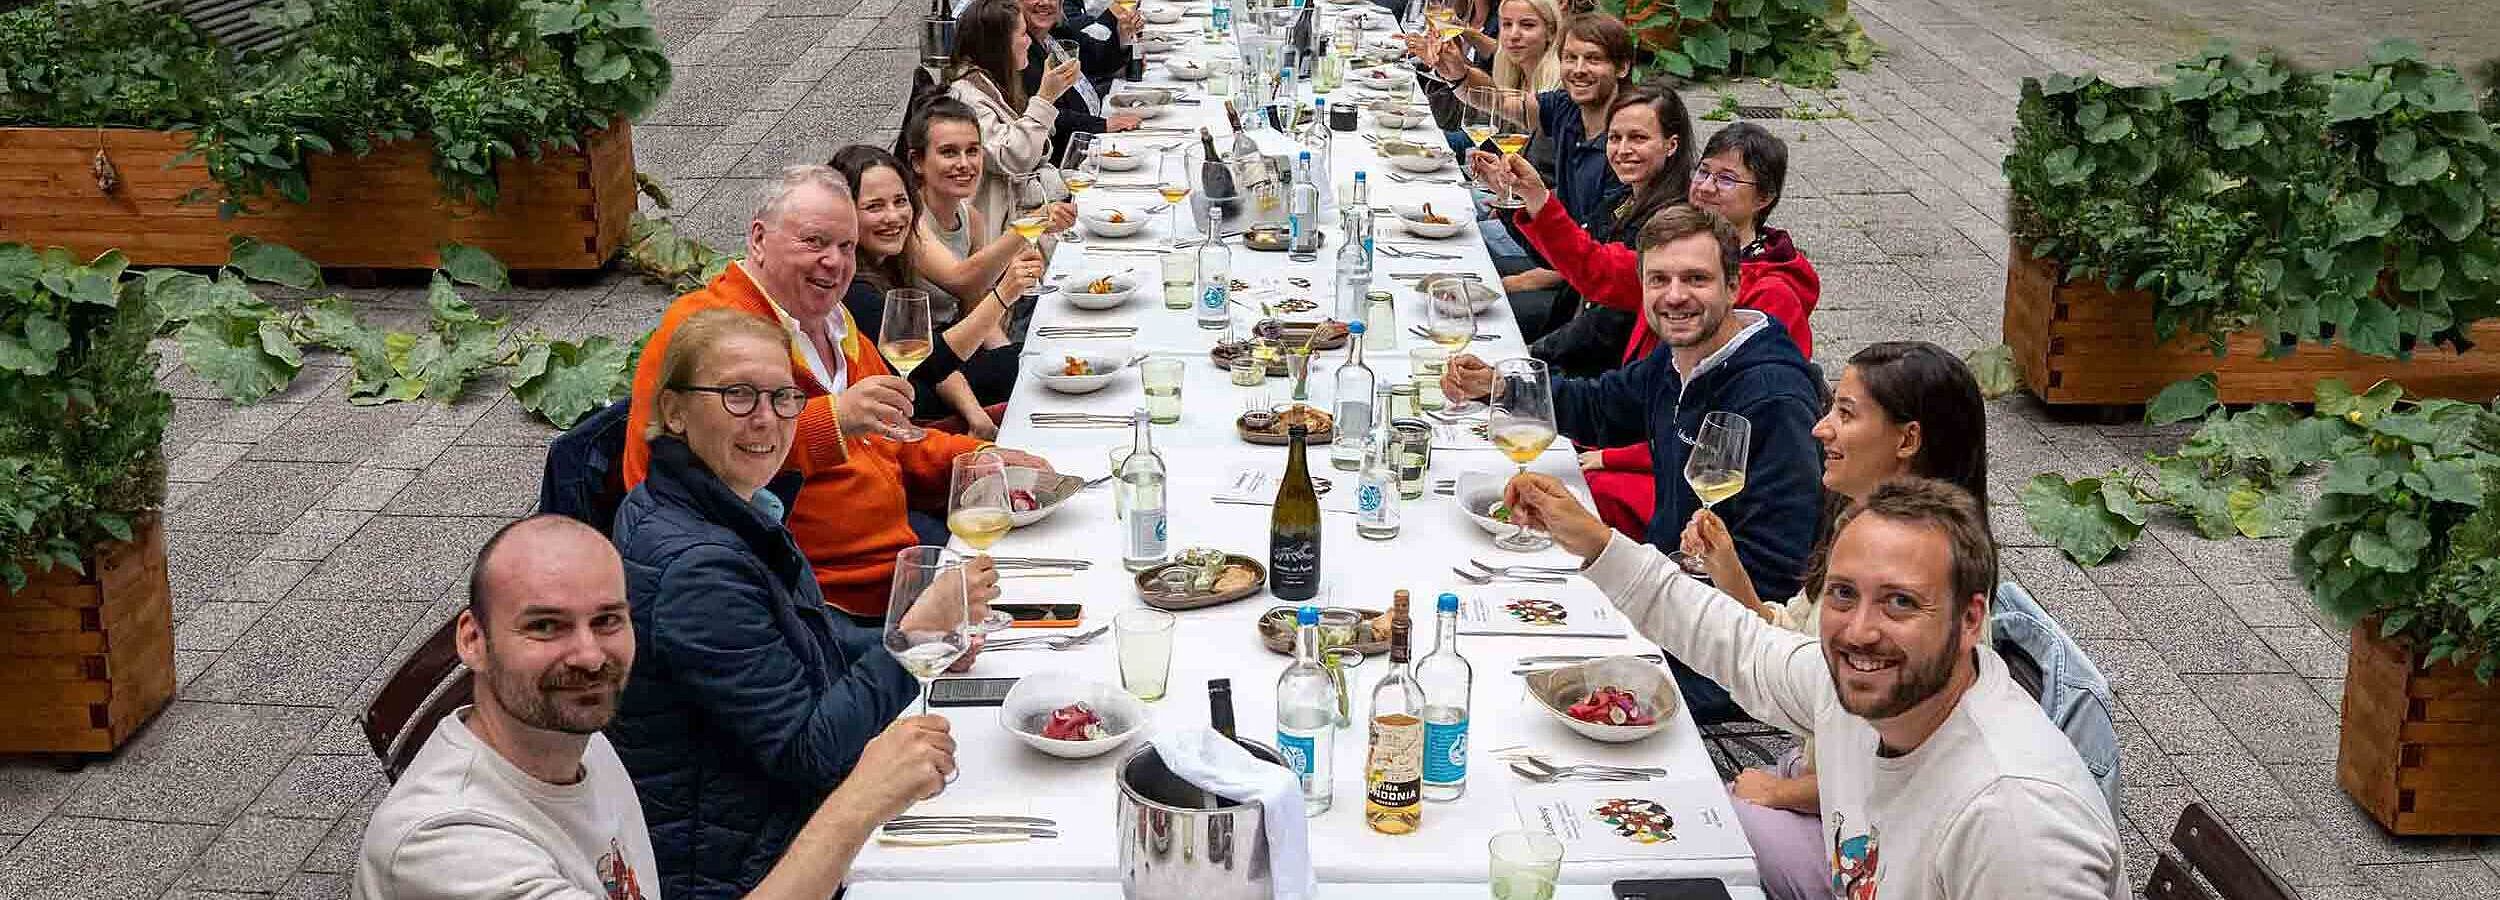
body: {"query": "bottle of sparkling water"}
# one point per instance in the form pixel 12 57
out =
pixel 1376 501
pixel 1215 274
pixel 1354 267
pixel 1142 480
pixel 1447 681
pixel 1304 213
pixel 1355 385
pixel 1306 713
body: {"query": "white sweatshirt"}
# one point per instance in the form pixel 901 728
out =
pixel 1995 804
pixel 463 823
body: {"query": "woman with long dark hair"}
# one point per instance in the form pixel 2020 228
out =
pixel 991 47
pixel 890 248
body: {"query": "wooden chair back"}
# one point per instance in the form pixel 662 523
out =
pixel 2214 850
pixel 428 686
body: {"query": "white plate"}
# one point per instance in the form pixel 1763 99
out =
pixel 1407 216
pixel 1079 297
pixel 1105 368
pixel 1161 14
pixel 1186 68
pixel 1037 694
pixel 1098 221
pixel 1557 689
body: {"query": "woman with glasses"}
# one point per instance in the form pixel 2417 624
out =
pixel 749 700
pixel 1741 172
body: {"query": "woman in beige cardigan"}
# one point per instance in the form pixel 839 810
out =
pixel 990 49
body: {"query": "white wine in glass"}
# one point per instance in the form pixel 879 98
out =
pixel 1479 132
pixel 1450 318
pixel 904 336
pixel 1510 142
pixel 1028 227
pixel 977 510
pixel 925 611
pixel 1714 465
pixel 1523 442
pixel 1522 427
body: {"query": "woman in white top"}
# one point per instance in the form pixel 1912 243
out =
pixel 950 256
pixel 990 51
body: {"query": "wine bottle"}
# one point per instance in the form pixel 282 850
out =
pixel 1293 528
pixel 1220 706
pixel 1393 771
pixel 1215 180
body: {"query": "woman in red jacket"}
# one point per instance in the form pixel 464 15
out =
pixel 1740 176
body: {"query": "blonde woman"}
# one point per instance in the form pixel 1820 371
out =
pixel 1531 46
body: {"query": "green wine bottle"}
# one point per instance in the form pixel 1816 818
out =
pixel 1293 528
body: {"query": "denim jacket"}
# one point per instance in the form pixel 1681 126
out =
pixel 2072 691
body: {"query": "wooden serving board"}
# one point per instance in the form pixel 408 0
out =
pixel 1170 603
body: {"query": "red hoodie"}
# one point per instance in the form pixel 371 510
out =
pixel 1773 278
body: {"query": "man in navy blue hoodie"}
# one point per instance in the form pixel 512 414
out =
pixel 1720 358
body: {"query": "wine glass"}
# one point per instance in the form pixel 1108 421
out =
pixel 1482 103
pixel 1029 195
pixel 1511 136
pixel 1522 427
pixel 978 511
pixel 925 609
pixel 1172 182
pixel 1714 465
pixel 905 339
pixel 1450 321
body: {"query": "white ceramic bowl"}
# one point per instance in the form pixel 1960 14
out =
pixel 1119 158
pixel 1421 163
pixel 1048 492
pixel 1029 704
pixel 1411 217
pixel 1479 296
pixel 1161 13
pixel 1104 367
pixel 1156 41
pixel 1098 221
pixel 1185 68
pixel 1478 491
pixel 1557 689
pixel 1383 78
pixel 1075 287
pixel 1390 114
pixel 1373 20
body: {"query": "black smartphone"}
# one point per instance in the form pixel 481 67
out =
pixel 1042 615
pixel 969 691
pixel 1671 889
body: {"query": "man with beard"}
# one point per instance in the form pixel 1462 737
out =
pixel 519 796
pixel 1941 778
pixel 1722 359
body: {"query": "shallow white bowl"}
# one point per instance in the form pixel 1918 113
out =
pixel 1105 368
pixel 1034 696
pixel 1186 68
pixel 1098 221
pixel 1161 13
pixel 1079 297
pixel 1410 216
pixel 1050 491
pixel 1400 116
pixel 1421 163
pixel 1383 78
pixel 1128 160
pixel 1557 689
pixel 1479 296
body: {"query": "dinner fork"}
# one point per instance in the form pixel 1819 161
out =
pixel 1421 332
pixel 1052 642
pixel 1419 179
pixel 1473 578
pixel 1397 252
pixel 1543 776
pixel 1525 567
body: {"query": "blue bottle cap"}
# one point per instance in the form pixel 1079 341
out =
pixel 1308 616
pixel 1319 103
pixel 1306 156
pixel 1358 175
pixel 1354 328
pixel 1448 603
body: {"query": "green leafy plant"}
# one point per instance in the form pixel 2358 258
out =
pixel 561 381
pixel 1800 42
pixel 81 457
pixel 2353 206
pixel 1724 111
pixel 655 248
pixel 2090 519
pixel 1995 370
pixel 485 80
pixel 2406 529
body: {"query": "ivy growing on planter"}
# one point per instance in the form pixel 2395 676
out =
pixel 1799 42
pixel 2354 206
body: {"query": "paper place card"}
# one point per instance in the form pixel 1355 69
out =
pixel 1683 818
pixel 1256 483
pixel 1536 610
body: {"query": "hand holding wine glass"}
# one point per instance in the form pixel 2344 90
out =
pixel 925 623
pixel 1714 466
pixel 978 513
pixel 904 337
pixel 1522 427
pixel 1510 136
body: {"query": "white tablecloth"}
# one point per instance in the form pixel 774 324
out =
pixel 1222 642
pixel 1074 890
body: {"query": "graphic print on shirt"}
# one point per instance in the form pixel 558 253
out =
pixel 617 875
pixel 1854 861
pixel 1536 611
pixel 1637 820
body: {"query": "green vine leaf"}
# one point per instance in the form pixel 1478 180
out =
pixel 1994 369
pixel 248 356
pixel 2183 400
pixel 562 382
pixel 474 267
pixel 274 263
pixel 2089 518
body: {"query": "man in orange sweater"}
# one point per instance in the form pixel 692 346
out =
pixel 858 483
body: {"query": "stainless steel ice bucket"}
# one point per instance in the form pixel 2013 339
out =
pixel 1179 842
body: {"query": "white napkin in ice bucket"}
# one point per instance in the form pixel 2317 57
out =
pixel 1204 758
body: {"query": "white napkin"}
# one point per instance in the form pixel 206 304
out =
pixel 1204 758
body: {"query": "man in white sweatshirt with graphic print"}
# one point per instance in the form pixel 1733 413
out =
pixel 1941 777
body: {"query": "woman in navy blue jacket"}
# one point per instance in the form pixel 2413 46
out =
pixel 750 699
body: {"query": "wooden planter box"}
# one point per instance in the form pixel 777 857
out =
pixel 2080 343
pixel 567 210
pixel 86 660
pixel 2418 745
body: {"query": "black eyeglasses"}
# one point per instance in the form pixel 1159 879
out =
pixel 739 399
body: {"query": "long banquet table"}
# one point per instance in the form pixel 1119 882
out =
pixel 997 770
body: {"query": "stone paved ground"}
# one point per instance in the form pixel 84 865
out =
pixel 314 542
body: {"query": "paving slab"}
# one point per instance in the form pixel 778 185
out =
pixel 76 858
pixel 499 482
pixel 197 762
pixel 306 653
pixel 263 497
pixel 399 559
pixel 257 853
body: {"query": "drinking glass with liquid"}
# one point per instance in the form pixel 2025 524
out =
pixel 1162 376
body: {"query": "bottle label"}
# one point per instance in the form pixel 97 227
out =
pixel 1214 297
pixel 1293 565
pixel 1445 752
pixel 1146 533
pixel 1397 762
pixel 1370 500
pixel 1298 751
